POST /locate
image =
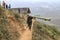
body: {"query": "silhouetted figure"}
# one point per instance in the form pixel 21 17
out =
pixel 4 4
pixel 9 5
pixel 29 21
pixel 28 11
pixel 19 10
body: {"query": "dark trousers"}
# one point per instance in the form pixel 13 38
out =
pixel 29 25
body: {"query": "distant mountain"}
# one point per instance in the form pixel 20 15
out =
pixel 51 10
pixel 45 9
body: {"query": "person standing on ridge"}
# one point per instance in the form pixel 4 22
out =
pixel 18 10
pixel 9 5
pixel 4 4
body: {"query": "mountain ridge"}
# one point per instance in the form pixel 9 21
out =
pixel 13 27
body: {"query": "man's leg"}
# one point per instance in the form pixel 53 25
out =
pixel 29 25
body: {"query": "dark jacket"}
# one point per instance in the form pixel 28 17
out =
pixel 29 21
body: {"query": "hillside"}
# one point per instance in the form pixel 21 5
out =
pixel 13 27
pixel 45 32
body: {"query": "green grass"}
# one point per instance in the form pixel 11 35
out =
pixel 43 31
pixel 5 27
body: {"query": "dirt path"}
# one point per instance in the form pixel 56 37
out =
pixel 27 35
pixel 24 35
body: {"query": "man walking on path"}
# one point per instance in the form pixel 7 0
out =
pixel 29 21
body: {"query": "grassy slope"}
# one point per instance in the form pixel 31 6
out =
pixel 45 32
pixel 40 31
pixel 7 31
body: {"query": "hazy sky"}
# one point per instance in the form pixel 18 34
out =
pixel 17 2
pixel 31 0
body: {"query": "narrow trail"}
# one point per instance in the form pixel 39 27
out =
pixel 24 35
pixel 27 35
